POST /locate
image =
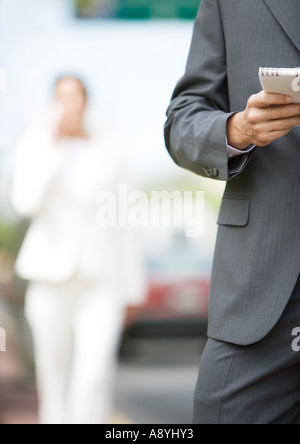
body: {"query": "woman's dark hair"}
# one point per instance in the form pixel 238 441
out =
pixel 72 77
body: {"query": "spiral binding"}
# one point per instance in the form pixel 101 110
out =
pixel 277 72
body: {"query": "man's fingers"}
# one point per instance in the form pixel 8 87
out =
pixel 277 112
pixel 266 139
pixel 278 125
pixel 285 124
pixel 264 100
pixel 267 117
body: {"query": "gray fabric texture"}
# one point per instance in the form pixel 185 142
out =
pixel 257 258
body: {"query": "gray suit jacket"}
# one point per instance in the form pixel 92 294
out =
pixel 257 259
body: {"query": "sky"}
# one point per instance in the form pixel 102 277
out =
pixel 131 69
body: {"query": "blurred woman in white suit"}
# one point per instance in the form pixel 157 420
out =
pixel 81 276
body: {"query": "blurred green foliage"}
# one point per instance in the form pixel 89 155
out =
pixel 138 9
pixel 12 235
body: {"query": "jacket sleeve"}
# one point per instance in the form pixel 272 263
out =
pixel 34 167
pixel 195 131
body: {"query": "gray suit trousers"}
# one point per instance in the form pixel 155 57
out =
pixel 256 384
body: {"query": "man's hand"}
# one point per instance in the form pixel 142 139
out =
pixel 268 117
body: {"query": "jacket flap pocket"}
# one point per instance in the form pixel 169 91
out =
pixel 234 213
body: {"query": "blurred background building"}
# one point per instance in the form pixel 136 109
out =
pixel 131 53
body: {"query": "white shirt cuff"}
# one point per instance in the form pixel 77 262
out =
pixel 234 152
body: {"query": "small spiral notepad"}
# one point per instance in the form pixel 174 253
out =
pixel 281 81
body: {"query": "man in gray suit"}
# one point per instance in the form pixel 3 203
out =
pixel 220 126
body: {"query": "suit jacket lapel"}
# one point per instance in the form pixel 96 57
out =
pixel 287 12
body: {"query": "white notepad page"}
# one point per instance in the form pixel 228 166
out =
pixel 281 81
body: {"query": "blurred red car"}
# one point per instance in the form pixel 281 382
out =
pixel 178 297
